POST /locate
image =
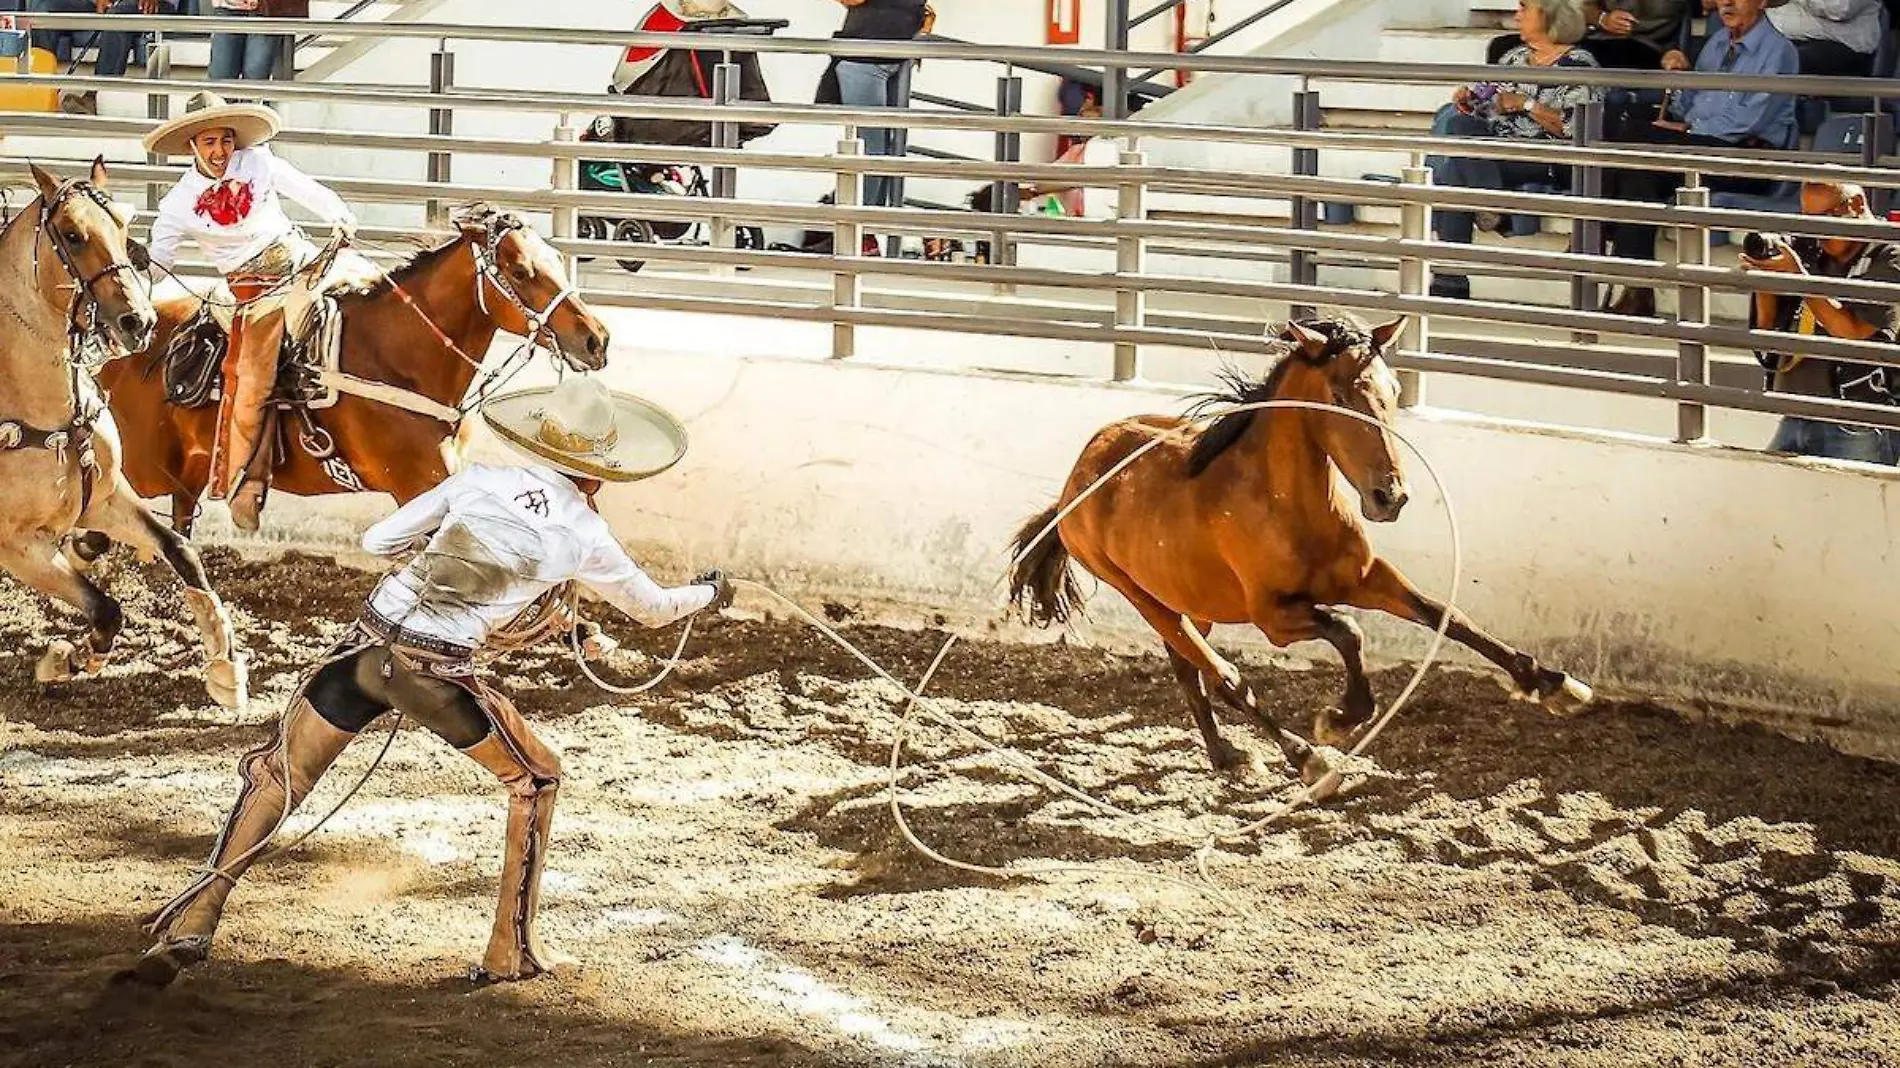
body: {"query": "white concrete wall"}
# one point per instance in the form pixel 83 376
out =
pixel 1647 568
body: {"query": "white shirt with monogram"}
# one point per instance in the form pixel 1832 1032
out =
pixel 498 538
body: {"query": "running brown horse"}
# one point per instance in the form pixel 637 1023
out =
pixel 413 337
pixel 1244 522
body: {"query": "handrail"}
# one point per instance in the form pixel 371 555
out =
pixel 1338 69
pixel 1159 9
pixel 1774 166
pixel 1202 46
pixel 1085 75
pixel 345 15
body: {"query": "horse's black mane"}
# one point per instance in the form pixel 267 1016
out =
pixel 1342 333
pixel 423 258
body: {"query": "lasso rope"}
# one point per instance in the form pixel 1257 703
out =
pixel 1206 841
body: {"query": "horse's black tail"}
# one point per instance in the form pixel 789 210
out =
pixel 1041 581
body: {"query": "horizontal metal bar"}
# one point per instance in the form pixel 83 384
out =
pixel 948 102
pixel 1349 190
pixel 1773 166
pixel 1085 75
pixel 1363 70
pixel 1159 9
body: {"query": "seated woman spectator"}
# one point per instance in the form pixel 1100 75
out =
pixel 1551 30
pixel 1833 37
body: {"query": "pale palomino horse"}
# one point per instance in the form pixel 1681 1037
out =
pixel 70 281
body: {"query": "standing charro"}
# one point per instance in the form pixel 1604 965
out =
pixel 500 548
pixel 230 204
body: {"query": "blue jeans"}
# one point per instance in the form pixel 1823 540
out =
pixel 873 85
pixel 250 56
pixel 1835 441
pixel 1472 173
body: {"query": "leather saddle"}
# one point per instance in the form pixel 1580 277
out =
pixel 194 361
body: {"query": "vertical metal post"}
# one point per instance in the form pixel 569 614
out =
pixel 1115 78
pixel 1006 196
pixel 1304 269
pixel 1692 308
pixel 1586 235
pixel 1415 280
pixel 567 177
pixel 1876 132
pixel 847 243
pixel 158 106
pixel 441 122
pixel 1131 260
pixel 899 100
pixel 23 64
pixel 725 134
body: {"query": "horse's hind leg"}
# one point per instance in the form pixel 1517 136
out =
pixel 122 517
pixel 1388 591
pixel 43 566
pixel 1220 752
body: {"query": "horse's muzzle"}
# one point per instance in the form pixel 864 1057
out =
pixel 1383 504
pixel 134 330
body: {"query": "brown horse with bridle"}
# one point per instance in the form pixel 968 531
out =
pixel 413 340
pixel 1244 522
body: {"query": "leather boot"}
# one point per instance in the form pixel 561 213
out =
pixel 514 947
pixel 252 379
pixel 305 747
pixel 247 500
pixel 1637 301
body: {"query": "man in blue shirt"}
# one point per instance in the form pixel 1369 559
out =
pixel 1746 43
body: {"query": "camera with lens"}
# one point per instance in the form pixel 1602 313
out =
pixel 1761 246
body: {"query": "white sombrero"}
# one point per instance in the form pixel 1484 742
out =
pixel 581 427
pixel 252 124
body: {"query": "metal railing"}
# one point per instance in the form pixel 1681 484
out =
pixel 1115 307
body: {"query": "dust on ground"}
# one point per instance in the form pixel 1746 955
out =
pixel 1622 887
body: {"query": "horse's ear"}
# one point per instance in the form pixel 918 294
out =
pixel 1385 334
pixel 48 184
pixel 1310 343
pixel 98 176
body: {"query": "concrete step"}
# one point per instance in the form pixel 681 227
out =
pixel 1463 44
pixel 1376 120
pixel 1336 94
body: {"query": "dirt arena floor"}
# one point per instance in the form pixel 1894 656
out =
pixel 1628 887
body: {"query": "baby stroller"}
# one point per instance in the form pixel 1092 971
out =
pixel 680 72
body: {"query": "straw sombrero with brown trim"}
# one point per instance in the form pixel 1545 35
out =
pixel 581 427
pixel 252 124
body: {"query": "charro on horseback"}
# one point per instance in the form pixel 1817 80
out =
pixel 230 204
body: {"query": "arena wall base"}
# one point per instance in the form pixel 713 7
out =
pixel 1699 575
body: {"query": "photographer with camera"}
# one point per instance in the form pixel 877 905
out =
pixel 1828 317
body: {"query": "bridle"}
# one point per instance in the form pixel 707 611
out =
pixel 84 330
pixel 84 333
pixel 488 266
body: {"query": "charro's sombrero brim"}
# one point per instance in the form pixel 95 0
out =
pixel 251 124
pixel 647 438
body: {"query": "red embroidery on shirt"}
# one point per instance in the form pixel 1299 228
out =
pixel 225 203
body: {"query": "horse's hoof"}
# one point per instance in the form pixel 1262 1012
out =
pixel 1320 773
pixel 56 664
pixel 1571 696
pixel 1229 760
pixel 228 682
pixel 1328 729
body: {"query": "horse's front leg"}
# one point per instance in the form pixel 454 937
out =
pixel 1385 590
pixel 44 566
pixel 125 519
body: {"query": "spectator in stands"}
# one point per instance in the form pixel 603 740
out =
pixel 1550 30
pixel 1746 43
pixel 1833 37
pixel 1636 34
pixel 875 82
pixel 115 46
pixel 1830 317
pixel 253 57
pixel 1625 34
